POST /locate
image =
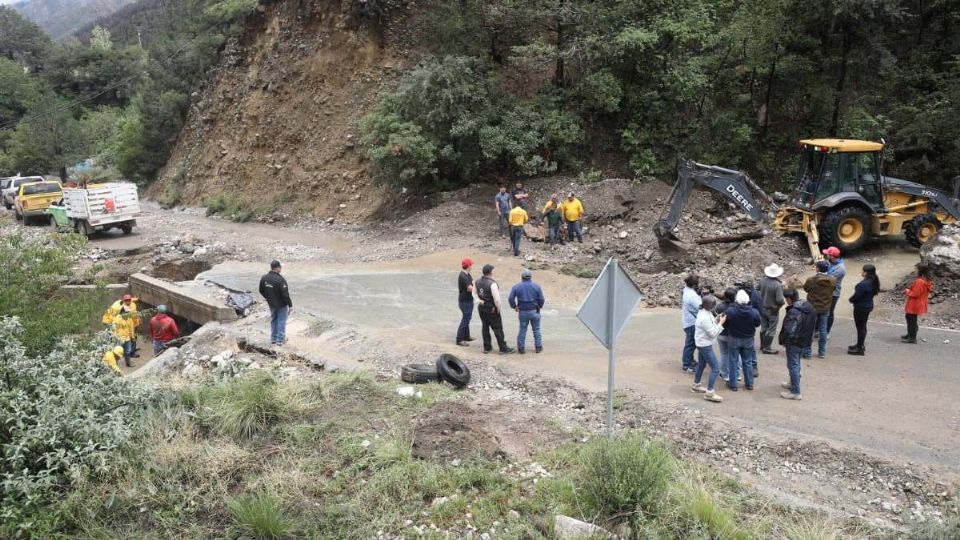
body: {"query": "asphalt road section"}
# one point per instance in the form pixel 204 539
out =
pixel 898 401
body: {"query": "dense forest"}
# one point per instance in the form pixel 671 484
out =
pixel 502 87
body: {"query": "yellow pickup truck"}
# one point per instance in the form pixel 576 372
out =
pixel 33 199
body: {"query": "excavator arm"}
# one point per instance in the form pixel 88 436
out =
pixel 735 185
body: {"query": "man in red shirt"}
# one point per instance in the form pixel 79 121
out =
pixel 162 329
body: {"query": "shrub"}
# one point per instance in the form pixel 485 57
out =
pixel 261 515
pixel 65 415
pixel 246 407
pixel 446 123
pixel 230 207
pixel 624 477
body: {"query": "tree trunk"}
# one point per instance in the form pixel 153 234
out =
pixel 731 238
pixel 766 100
pixel 559 78
pixel 841 81
pixel 63 174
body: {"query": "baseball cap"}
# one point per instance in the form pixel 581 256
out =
pixel 822 266
pixel 526 273
pixel 275 264
pixel 487 268
pixel 118 350
pixel 832 252
pixel 127 297
pixel 466 263
pixel 743 297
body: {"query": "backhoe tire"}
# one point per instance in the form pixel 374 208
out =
pixel 846 228
pixel 921 229
pixel 453 370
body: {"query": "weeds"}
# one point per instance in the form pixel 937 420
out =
pixel 261 516
pixel 230 207
pixel 248 406
pixel 624 478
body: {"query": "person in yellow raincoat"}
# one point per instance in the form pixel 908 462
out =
pixel 122 316
pixel 110 358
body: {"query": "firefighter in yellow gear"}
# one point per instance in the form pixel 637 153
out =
pixel 110 358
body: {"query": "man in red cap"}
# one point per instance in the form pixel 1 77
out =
pixel 465 283
pixel 837 270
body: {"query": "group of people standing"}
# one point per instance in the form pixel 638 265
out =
pixel 733 319
pixel 562 217
pixel 525 298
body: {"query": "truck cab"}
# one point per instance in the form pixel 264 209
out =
pixel 33 198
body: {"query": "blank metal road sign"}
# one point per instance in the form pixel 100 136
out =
pixel 608 305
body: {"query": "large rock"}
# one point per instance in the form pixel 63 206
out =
pixel 165 362
pixel 942 252
pixel 567 528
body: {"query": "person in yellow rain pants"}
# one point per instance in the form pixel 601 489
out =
pixel 110 358
pixel 123 317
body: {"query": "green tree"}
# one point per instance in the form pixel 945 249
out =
pixel 148 131
pixel 19 93
pixel 21 40
pixel 48 139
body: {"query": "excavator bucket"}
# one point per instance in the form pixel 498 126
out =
pixel 669 241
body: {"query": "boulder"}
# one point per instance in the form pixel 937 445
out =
pixel 942 253
pixel 567 528
pixel 533 232
pixel 166 361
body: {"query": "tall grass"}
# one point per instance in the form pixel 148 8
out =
pixel 261 516
pixel 248 406
pixel 625 478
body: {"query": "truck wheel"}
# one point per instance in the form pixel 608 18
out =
pixel 16 215
pixel 847 228
pixel 921 229
pixel 126 227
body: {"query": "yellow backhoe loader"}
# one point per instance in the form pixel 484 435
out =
pixel 840 198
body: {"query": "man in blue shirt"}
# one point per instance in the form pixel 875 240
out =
pixel 502 204
pixel 690 308
pixel 526 298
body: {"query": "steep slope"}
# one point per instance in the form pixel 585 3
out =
pixel 276 129
pixel 61 18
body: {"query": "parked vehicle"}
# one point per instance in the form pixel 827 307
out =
pixel 99 207
pixel 33 198
pixel 10 191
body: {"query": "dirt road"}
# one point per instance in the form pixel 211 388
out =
pixel 898 401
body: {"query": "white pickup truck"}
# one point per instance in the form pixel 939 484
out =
pixel 102 207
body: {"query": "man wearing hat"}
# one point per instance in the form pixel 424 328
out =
pixel 163 329
pixel 526 298
pixel 572 210
pixel 274 289
pixel 110 358
pixel 465 300
pixel 837 271
pixel 488 296
pixel 771 295
pixel 819 289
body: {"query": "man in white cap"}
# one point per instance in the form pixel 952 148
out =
pixel 771 297
pixel 742 321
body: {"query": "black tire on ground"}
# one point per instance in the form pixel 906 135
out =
pixel 921 229
pixel 419 373
pixel 453 370
pixel 126 227
pixel 847 228
pixel 16 215
pixel 7 206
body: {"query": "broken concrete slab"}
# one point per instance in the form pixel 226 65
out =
pixel 166 361
pixel 180 301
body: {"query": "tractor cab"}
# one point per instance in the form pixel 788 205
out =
pixel 835 169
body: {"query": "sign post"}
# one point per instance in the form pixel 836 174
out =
pixel 605 311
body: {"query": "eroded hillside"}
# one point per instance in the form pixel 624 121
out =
pixel 277 128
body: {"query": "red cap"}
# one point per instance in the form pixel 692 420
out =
pixel 127 297
pixel 831 252
pixel 466 263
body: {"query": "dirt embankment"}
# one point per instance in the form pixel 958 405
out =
pixel 277 129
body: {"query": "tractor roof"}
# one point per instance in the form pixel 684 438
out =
pixel 844 145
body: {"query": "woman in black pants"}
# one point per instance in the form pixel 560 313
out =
pixel 862 301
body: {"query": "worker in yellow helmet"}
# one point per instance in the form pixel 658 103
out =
pixel 110 358
pixel 518 218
